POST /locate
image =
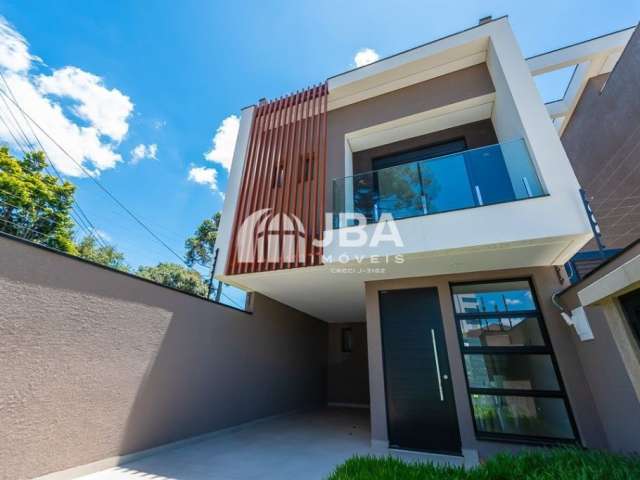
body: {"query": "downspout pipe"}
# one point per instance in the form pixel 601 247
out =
pixel 563 313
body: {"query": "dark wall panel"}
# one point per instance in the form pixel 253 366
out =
pixel 475 135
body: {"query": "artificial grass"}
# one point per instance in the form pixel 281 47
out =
pixel 543 464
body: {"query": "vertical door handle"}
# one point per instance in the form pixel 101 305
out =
pixel 435 356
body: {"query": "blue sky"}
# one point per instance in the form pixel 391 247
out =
pixel 187 66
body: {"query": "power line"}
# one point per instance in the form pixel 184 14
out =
pixel 129 245
pixel 90 175
pixel 18 226
pixel 41 219
pixel 15 140
pixel 24 135
pixel 30 121
pixel 83 219
pixel 77 218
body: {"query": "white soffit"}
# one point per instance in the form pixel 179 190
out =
pixel 460 113
pixel 339 297
pixel 580 52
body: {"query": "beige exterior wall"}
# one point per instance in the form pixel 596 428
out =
pixel 611 361
pixel 96 363
pixel 440 91
pixel 545 283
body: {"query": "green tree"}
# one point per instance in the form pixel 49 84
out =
pixel 33 204
pixel 105 255
pixel 199 248
pixel 176 276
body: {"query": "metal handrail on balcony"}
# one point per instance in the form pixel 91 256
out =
pixel 482 176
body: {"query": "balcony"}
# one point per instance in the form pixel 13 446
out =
pixel 471 178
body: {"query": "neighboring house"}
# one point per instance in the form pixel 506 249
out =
pixel 442 322
pixel 602 140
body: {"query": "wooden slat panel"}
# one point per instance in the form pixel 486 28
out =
pixel 248 172
pixel 322 164
pixel 284 172
pixel 276 186
pixel 296 205
pixel 258 181
pixel 315 232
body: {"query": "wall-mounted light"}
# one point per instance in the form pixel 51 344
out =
pixel 578 319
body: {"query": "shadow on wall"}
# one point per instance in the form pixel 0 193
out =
pixel 97 364
pixel 213 374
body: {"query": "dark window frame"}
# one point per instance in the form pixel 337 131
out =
pixel 547 349
pixel 632 323
pixel 417 153
pixel 346 339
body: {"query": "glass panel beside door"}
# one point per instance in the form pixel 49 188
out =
pixel 514 384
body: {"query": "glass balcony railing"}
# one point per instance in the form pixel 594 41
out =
pixel 472 178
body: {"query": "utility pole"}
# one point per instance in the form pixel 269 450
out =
pixel 213 269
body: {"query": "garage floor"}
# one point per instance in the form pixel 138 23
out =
pixel 298 446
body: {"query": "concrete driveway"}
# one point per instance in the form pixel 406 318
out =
pixel 302 446
pixel 297 446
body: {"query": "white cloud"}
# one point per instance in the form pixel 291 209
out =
pixel 14 49
pixel 107 110
pixel 224 142
pixel 142 151
pixel 74 106
pixel 204 176
pixel 365 57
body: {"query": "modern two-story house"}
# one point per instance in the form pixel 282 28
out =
pixel 423 206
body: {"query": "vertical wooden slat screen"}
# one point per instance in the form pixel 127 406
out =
pixel 284 172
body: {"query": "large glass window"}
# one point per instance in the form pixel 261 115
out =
pixel 520 415
pixel 501 332
pixel 513 382
pixel 511 371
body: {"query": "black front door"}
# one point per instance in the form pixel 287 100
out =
pixel 631 306
pixel 421 413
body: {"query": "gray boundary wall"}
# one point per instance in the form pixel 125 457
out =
pixel 97 364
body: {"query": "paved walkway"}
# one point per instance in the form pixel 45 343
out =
pixel 300 446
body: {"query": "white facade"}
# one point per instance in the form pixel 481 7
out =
pixel 556 221
pixel 542 231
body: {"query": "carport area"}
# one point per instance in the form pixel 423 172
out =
pixel 302 445
pixel 305 446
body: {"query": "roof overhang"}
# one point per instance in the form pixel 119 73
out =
pixel 591 58
pixel 439 57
